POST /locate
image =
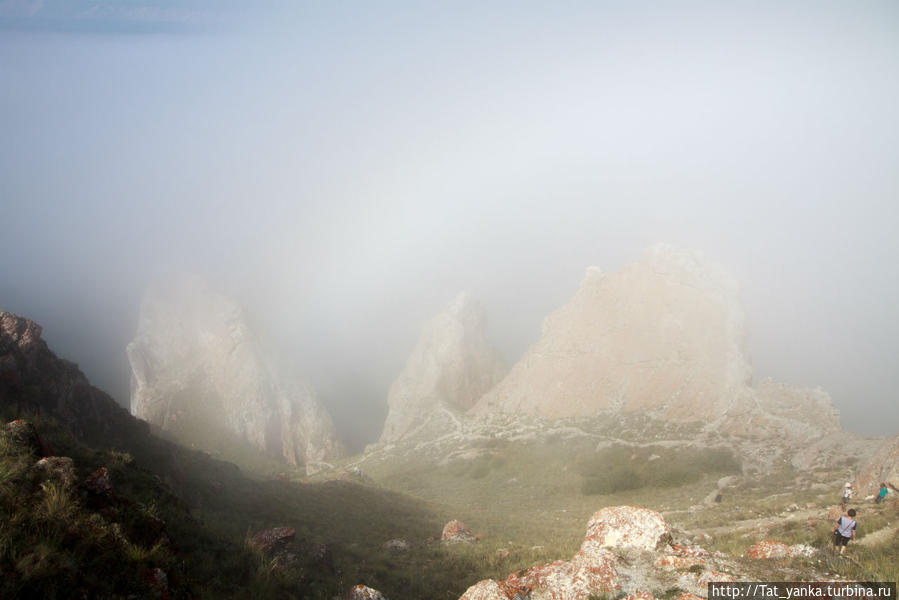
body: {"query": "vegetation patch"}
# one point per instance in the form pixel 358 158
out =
pixel 621 468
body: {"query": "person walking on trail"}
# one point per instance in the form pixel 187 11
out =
pixel 847 494
pixel 882 494
pixel 844 531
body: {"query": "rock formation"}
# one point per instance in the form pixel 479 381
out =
pixel 664 336
pixel 198 371
pixel 34 380
pixel 628 551
pixel 883 467
pixel 450 368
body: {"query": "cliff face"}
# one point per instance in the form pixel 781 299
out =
pixel 34 380
pixel 665 336
pixel 883 467
pixel 450 368
pixel 197 369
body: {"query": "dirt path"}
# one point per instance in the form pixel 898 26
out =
pixel 878 537
pixel 754 524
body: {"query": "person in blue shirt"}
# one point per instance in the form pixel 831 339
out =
pixel 882 494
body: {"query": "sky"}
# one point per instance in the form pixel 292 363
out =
pixel 343 169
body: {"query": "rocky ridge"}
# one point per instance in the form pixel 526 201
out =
pixel 198 370
pixel 451 367
pixel 34 380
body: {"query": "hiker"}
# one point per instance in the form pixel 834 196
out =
pixel 882 494
pixel 844 531
pixel 847 494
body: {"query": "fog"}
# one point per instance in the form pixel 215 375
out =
pixel 343 169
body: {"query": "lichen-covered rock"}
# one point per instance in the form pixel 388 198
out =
pixel 396 545
pixel 450 368
pixel 456 532
pixel 769 549
pixel 195 364
pixel 361 592
pixel 25 435
pixel 99 483
pixel 270 540
pixel 58 469
pixel 626 527
pixel 489 589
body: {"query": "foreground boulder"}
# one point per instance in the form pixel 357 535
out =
pixel 198 371
pixel 628 551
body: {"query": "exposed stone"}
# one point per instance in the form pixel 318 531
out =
pixel 456 532
pixel 34 380
pixel 361 592
pixel 271 540
pixel 396 545
pixel 664 336
pixel 99 483
pixel 25 435
pixel 57 468
pixel 882 467
pixel 451 367
pixel 626 527
pixel 769 549
pixel 196 365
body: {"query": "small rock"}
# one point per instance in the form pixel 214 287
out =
pixel 57 468
pixel 361 592
pixel 269 540
pixel 396 545
pixel 456 532
pixel 98 482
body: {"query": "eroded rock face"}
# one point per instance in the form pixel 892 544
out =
pixel 198 370
pixel 883 467
pixel 664 336
pixel 450 368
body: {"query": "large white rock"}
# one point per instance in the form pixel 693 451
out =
pixel 665 336
pixel 450 368
pixel 197 369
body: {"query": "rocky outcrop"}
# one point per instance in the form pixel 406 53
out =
pixel 882 467
pixel 628 552
pixel 456 532
pixel 450 368
pixel 363 592
pixel 34 380
pixel 664 336
pixel 199 372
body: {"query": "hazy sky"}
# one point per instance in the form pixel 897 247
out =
pixel 344 168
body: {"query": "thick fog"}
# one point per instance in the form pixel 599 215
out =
pixel 343 169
